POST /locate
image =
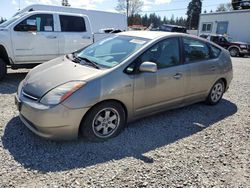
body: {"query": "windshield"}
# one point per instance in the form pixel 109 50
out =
pixel 112 51
pixel 229 39
pixel 11 20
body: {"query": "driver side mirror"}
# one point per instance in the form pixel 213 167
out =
pixel 148 67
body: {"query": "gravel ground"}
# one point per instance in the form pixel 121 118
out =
pixel 195 146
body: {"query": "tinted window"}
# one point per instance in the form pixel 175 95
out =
pixel 72 24
pixel 195 50
pixel 207 27
pixel 164 54
pixel 214 39
pixel 215 52
pixel 39 23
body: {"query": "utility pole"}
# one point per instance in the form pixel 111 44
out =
pixel 127 8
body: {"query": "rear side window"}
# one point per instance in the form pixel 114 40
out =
pixel 72 24
pixel 195 50
pixel 215 52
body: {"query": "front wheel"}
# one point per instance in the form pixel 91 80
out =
pixel 216 93
pixel 103 121
pixel 3 69
pixel 234 52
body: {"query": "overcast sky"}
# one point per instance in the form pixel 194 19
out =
pixel 9 7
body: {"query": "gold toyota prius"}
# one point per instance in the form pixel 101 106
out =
pixel 130 75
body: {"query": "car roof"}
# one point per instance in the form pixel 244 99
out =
pixel 214 35
pixel 150 34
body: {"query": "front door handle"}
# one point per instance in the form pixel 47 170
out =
pixel 213 68
pixel 177 76
pixel 86 37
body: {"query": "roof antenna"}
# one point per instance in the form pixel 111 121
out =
pixel 19 4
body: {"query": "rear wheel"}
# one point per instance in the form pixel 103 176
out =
pixel 3 69
pixel 234 52
pixel 216 93
pixel 103 121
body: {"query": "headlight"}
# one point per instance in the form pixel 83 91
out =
pixel 60 93
pixel 243 46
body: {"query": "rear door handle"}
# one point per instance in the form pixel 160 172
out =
pixel 177 76
pixel 51 37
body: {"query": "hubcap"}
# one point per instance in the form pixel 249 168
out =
pixel 217 92
pixel 106 122
pixel 233 52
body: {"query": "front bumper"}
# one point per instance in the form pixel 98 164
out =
pixel 245 52
pixel 56 123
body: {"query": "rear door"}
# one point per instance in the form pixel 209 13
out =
pixel 166 87
pixel 38 44
pixel 202 67
pixel 75 33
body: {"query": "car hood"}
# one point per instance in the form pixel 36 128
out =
pixel 51 74
pixel 239 43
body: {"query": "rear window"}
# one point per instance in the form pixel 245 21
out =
pixel 72 24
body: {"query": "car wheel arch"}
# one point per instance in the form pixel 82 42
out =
pixel 233 46
pixel 4 55
pixel 105 101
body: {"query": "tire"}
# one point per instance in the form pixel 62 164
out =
pixel 234 52
pixel 3 69
pixel 216 93
pixel 104 121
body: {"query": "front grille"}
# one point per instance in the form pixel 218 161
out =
pixel 29 96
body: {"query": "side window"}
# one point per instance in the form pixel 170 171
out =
pixel 215 52
pixel 165 53
pixel 215 39
pixel 38 22
pixel 223 39
pixel 195 50
pixel 72 24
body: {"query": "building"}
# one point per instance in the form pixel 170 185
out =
pixel 235 24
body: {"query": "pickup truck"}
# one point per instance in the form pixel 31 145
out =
pixel 235 48
pixel 33 37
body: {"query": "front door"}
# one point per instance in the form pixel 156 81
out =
pixel 166 87
pixel 34 39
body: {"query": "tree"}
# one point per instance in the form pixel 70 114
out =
pixel 65 3
pixel 235 4
pixel 193 13
pixel 224 7
pixel 129 7
pixel 240 4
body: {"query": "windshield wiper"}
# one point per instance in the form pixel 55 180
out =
pixel 88 61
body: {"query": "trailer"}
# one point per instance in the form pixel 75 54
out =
pixel 234 24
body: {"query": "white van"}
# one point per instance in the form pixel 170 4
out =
pixel 33 37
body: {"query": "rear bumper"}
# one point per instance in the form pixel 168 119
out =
pixel 56 123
